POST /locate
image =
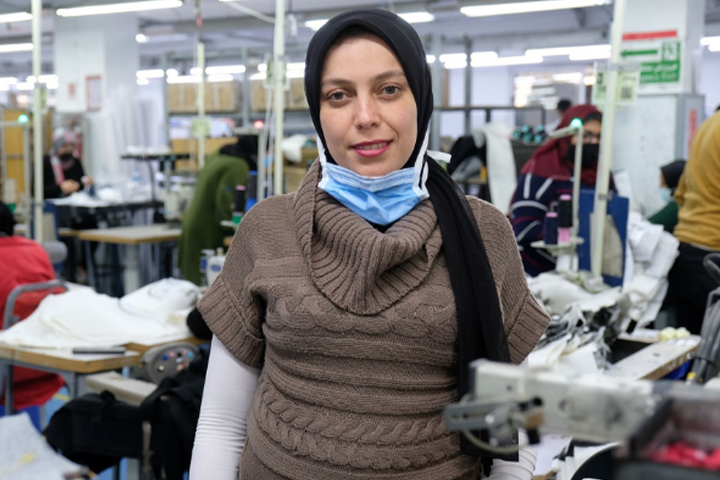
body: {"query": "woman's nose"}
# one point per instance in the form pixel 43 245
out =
pixel 366 113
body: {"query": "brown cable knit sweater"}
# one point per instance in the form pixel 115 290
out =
pixel 355 331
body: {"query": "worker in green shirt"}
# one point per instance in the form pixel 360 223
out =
pixel 213 202
pixel 669 179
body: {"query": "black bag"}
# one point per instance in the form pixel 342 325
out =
pixel 96 430
pixel 173 410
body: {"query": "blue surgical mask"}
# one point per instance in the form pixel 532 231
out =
pixel 379 200
pixel 667 195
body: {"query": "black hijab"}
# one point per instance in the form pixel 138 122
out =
pixel 672 173
pixel 481 333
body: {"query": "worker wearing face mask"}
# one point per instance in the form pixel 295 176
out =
pixel 63 173
pixel 548 175
pixel 669 179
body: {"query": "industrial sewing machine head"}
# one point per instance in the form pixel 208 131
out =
pixel 656 423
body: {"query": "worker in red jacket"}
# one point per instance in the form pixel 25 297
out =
pixel 23 261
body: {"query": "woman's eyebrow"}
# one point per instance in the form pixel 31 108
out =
pixel 335 82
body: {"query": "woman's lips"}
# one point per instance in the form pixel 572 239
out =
pixel 372 149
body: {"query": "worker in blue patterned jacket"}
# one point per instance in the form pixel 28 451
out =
pixel 546 176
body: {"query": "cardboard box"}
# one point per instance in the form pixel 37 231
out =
pixel 220 97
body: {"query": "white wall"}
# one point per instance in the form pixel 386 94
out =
pixel 710 81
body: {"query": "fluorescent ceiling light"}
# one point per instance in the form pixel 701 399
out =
pixel 589 80
pixel 417 17
pixel 224 77
pixel 561 51
pixel 572 77
pixel 597 55
pixel 171 72
pixel 295 73
pixel 8 80
pixel 296 66
pixel 316 24
pixel 506 61
pixel 143 81
pixel 16 47
pixel 527 7
pixel 453 57
pixel 24 86
pixel 53 86
pixel 262 67
pixel 455 64
pixel 43 79
pixel 258 76
pixel 709 40
pixel 4 88
pixel 481 56
pixel 715 47
pixel 153 73
pixel 524 80
pixel 119 8
pixel 430 59
pixel 184 79
pixel 225 69
pixel 15 17
pixel 140 38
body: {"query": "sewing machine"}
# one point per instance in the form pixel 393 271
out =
pixel 644 416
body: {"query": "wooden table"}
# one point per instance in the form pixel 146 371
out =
pixel 70 366
pixel 657 359
pixel 131 238
pixel 144 347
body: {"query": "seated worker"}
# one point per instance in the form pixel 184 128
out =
pixel 546 176
pixel 23 261
pixel 213 203
pixel 669 179
pixel 698 228
pixel 63 173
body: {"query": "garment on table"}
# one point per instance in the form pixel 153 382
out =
pixel 211 204
pixel 357 345
pixel 23 261
pixel 56 170
pixel 543 179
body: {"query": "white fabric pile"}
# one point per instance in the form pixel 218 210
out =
pixel 84 318
pixel 651 255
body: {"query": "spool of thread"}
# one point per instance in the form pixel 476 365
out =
pixel 251 191
pixel 550 236
pixel 565 220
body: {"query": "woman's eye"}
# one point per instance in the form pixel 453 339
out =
pixel 337 96
pixel 391 90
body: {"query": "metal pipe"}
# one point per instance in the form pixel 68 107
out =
pixel 201 105
pixel 246 92
pixel 26 165
pixel 279 72
pixel 468 85
pixel 437 77
pixel 597 234
pixel 37 118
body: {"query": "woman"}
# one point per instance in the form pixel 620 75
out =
pixel 361 299
pixel 546 176
pixel 669 179
pixel 63 174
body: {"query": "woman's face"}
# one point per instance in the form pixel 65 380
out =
pixel 367 110
pixel 591 133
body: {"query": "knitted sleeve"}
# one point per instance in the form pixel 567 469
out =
pixel 525 321
pixel 231 309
